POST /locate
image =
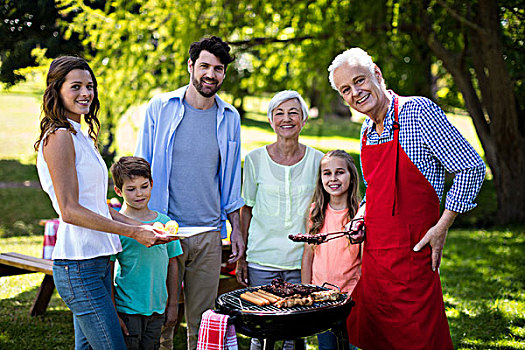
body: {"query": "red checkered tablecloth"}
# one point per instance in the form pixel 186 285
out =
pixel 50 238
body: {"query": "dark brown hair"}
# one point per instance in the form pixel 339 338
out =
pixel 127 168
pixel 214 45
pixel 52 105
pixel 321 198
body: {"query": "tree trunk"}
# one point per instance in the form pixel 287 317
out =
pixel 497 91
pixel 495 114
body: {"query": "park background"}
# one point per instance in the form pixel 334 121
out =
pixel 465 55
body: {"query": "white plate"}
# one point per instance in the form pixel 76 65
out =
pixel 185 232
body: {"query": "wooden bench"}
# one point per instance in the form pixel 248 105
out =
pixel 17 264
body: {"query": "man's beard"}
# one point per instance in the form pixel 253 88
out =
pixel 208 92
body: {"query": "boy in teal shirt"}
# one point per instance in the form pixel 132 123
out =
pixel 145 279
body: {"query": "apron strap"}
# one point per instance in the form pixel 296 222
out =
pixel 396 128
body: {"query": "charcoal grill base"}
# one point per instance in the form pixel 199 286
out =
pixel 281 324
pixel 286 326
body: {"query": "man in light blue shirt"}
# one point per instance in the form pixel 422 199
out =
pixel 191 138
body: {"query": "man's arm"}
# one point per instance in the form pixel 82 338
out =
pixel 457 156
pixel 238 243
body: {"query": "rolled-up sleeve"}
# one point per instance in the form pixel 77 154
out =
pixel 456 155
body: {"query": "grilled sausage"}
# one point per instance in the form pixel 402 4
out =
pixel 265 296
pixel 254 299
pixel 262 291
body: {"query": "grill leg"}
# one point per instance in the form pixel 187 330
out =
pixel 342 336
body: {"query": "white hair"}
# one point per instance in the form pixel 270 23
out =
pixel 353 56
pixel 283 96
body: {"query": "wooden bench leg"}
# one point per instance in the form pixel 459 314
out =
pixel 43 296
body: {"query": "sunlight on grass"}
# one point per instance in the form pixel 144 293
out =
pixel 13 285
pixel 20 120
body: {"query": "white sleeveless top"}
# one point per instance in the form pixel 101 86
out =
pixel 75 242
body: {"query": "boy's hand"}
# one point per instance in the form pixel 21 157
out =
pixel 172 316
pixel 123 326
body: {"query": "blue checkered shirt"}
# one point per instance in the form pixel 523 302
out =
pixel 434 145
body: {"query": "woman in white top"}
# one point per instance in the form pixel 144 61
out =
pixel 75 177
pixel 279 181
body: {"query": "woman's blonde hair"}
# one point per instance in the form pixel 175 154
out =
pixel 321 198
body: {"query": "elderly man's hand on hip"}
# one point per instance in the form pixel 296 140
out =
pixel 436 237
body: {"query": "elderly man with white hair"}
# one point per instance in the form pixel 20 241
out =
pixel 407 143
pixel 279 181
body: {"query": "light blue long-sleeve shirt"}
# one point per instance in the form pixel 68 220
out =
pixel 155 144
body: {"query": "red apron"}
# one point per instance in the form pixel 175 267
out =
pixel 399 302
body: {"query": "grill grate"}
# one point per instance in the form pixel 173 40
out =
pixel 232 301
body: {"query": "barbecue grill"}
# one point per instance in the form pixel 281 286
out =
pixel 269 323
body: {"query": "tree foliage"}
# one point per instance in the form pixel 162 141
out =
pixel 463 53
pixel 142 46
pixel 24 26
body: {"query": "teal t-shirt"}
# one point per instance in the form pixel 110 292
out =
pixel 141 273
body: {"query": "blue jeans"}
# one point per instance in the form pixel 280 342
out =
pixel 328 341
pixel 85 287
pixel 258 277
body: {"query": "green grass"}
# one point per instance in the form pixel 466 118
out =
pixel 20 117
pixel 484 288
pixel 22 209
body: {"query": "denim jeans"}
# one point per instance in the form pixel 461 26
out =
pixel 328 341
pixel 257 277
pixel 85 287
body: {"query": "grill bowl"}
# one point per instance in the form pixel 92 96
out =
pixel 271 322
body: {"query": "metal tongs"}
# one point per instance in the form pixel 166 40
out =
pixel 357 226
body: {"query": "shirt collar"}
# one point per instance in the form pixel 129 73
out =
pixel 180 92
pixel 75 125
pixel 389 119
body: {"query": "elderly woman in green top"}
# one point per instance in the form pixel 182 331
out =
pixel 279 181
